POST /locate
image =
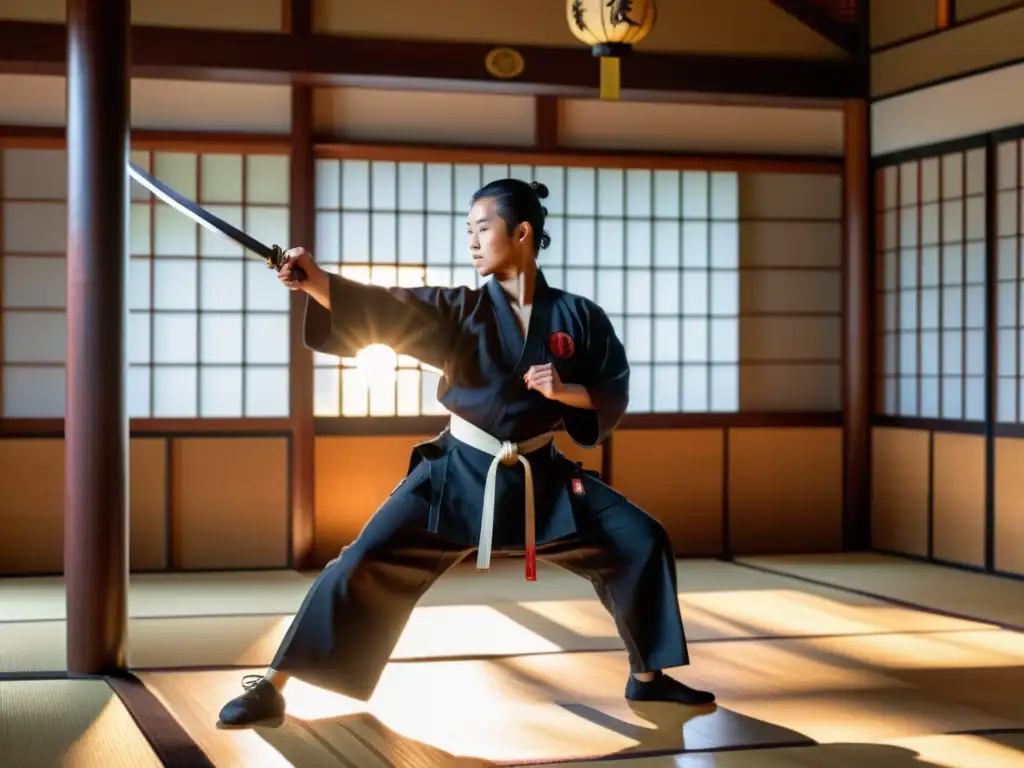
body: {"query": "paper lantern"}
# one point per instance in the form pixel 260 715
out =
pixel 611 28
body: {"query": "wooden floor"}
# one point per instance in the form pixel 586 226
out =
pixel 857 660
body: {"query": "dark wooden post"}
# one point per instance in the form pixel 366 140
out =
pixel 96 422
pixel 299 22
pixel 857 328
pixel 991 344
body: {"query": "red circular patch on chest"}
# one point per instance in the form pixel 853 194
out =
pixel 561 344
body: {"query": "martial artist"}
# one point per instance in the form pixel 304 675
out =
pixel 519 360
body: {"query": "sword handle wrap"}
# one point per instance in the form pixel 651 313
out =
pixel 277 260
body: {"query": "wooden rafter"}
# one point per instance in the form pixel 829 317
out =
pixel 317 59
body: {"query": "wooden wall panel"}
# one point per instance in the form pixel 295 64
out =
pixel 969 9
pixel 677 476
pixel 959 51
pixel 245 15
pixel 354 476
pixel 1009 505
pixel 785 490
pixel 895 21
pixel 186 105
pixel 651 127
pixel 900 475
pixel 229 495
pixel 230 502
pixel 39 100
pixel 251 15
pixel 32 100
pixel 424 117
pixel 375 115
pixel 34 10
pixel 958 490
pixel 951 110
pixel 148 504
pixel 32 506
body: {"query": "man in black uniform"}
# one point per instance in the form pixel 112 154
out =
pixel 519 359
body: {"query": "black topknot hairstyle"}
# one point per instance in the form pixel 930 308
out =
pixel 517 201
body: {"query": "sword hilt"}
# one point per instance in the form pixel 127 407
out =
pixel 277 260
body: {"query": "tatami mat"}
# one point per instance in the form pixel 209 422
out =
pixel 166 594
pixel 570 706
pixel 989 751
pixel 79 723
pixel 493 614
pixel 807 674
pixel 987 598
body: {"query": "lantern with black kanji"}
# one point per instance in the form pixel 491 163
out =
pixel 611 28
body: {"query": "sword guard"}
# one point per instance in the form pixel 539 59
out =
pixel 277 260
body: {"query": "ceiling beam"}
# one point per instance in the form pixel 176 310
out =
pixel 204 54
pixel 818 19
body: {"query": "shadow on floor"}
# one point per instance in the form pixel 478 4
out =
pixel 362 741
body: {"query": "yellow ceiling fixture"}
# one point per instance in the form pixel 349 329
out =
pixel 611 28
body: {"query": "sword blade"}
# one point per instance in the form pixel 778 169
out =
pixel 272 254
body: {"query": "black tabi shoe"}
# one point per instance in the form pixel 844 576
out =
pixel 261 703
pixel 665 688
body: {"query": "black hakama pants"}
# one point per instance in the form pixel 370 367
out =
pixel 354 613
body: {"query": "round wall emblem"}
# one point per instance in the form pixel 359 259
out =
pixel 504 63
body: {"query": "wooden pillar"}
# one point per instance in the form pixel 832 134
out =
pixel 945 13
pixel 96 422
pixel 299 22
pixel 857 327
pixel 545 137
pixel 991 344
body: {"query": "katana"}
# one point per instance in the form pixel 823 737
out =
pixel 272 254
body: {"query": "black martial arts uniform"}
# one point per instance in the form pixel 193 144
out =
pixel 343 635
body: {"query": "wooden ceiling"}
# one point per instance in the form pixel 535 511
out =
pixel 835 20
pixel 844 11
pixel 304 56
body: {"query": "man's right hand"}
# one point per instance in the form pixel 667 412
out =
pixel 317 282
pixel 298 258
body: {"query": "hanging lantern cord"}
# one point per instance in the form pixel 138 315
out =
pixel 610 54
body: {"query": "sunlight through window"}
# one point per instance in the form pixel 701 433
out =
pixel 657 249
